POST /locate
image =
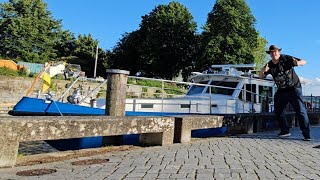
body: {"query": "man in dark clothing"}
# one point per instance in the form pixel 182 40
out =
pixel 289 89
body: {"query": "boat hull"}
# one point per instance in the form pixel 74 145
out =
pixel 29 106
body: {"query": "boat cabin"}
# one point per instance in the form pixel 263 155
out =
pixel 235 83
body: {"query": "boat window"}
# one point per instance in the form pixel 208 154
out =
pixel 265 97
pixel 265 93
pixel 185 106
pixel 147 106
pixel 251 90
pixel 241 95
pixel 218 90
pixel 196 89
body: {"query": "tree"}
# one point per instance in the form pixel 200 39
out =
pixel 126 54
pixel 27 30
pixel 162 47
pixel 229 35
pixel 259 53
pixel 65 44
pixel 168 40
pixel 85 47
pixel 84 53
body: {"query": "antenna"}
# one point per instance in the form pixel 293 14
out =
pixel 95 63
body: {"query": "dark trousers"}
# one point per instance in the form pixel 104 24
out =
pixel 294 97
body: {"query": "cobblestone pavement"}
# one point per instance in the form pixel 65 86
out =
pixel 254 156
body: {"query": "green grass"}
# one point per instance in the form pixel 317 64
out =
pixel 169 88
pixel 10 72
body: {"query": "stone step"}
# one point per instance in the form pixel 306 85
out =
pixel 5 107
pixel 9 105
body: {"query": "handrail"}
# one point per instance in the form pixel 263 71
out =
pixel 78 79
pixel 162 94
pixel 93 91
pixel 68 89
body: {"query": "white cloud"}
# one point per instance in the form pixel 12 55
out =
pixel 310 86
pixel 305 81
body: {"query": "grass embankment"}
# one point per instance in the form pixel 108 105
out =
pixel 169 88
pixel 10 72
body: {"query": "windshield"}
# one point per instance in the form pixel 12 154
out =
pixel 218 90
pixel 196 89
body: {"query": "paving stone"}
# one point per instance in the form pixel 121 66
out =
pixel 136 175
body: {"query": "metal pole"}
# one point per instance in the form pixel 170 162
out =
pixel 162 96
pixel 210 104
pixel 95 63
pixel 311 104
pixel 252 95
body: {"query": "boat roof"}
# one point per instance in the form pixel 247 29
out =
pixel 237 66
pixel 230 70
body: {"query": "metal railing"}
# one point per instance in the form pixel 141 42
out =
pixel 208 97
pixel 164 91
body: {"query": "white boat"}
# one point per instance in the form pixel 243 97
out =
pixel 228 90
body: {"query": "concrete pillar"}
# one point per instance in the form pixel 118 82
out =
pixel 8 151
pixel 185 124
pixel 182 131
pixel 115 100
pixel 164 138
pixel 9 143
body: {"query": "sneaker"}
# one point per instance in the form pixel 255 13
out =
pixel 306 139
pixel 284 134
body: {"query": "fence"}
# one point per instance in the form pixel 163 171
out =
pixel 32 67
pixel 312 103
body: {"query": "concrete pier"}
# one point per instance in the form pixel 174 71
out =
pixel 116 92
pixel 21 129
pixel 115 99
pixel 260 155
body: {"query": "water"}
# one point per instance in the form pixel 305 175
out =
pixel 35 147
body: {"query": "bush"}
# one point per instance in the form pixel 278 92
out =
pixel 8 72
pixel 32 75
pixel 22 72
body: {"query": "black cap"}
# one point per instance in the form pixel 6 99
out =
pixel 273 48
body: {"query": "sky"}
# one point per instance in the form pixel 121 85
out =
pixel 292 25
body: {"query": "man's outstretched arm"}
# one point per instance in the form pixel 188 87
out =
pixel 299 62
pixel 263 70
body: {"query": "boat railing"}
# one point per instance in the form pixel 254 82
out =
pixel 209 96
pixel 163 91
pixel 88 94
pixel 312 103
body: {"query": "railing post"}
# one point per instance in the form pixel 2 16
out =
pixel 115 100
pixel 210 104
pixel 162 96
